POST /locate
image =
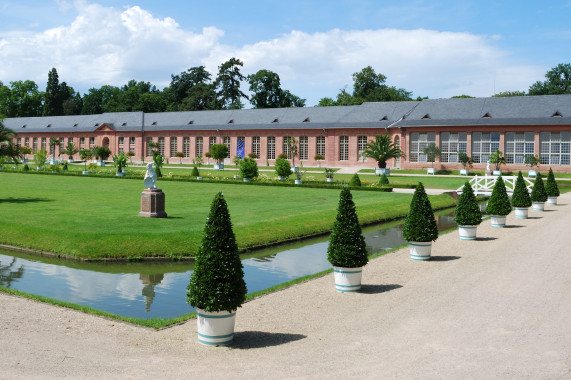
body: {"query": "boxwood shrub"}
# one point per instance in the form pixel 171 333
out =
pixel 551 186
pixel 355 181
pixel 248 168
pixel 520 197
pixel 419 224
pixel 499 202
pixel 283 168
pixel 538 193
pixel 195 172
pixel 347 246
pixel 217 282
pixel 384 180
pixel 467 210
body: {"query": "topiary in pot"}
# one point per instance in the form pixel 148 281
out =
pixel 347 250
pixel 248 169
pixel 283 168
pixel 551 188
pixel 499 204
pixel 383 180
pixel 520 198
pixel 468 214
pixel 355 181
pixel 217 287
pixel 419 226
pixel 195 172
pixel 538 194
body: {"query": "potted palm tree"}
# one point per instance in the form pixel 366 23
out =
pixel 85 155
pixel 538 194
pixel 217 287
pixel 70 150
pixel 381 150
pixel 236 160
pixel 497 159
pixel 120 162
pixel 419 226
pixel 248 169
pixel 329 172
pixel 499 204
pixel 347 251
pixel 283 168
pixel 551 188
pixel 521 201
pixel 431 151
pixel 466 162
pixel 531 161
pixel 468 214
pixel 40 158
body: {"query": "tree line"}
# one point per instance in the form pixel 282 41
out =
pixel 196 89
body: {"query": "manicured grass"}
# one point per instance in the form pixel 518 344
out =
pixel 97 217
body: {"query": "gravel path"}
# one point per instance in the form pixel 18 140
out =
pixel 498 307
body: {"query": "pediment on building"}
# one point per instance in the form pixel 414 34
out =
pixel 105 127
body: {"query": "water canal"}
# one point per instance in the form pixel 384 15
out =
pixel 158 290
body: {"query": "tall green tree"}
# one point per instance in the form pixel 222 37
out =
pixel 53 105
pixel 266 86
pixel 21 99
pixel 228 84
pixel 558 81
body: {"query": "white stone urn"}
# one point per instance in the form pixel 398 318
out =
pixel 347 279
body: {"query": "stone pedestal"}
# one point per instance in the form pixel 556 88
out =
pixel 153 204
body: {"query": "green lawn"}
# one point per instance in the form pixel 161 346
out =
pixel 97 217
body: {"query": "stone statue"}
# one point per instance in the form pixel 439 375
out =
pixel 488 166
pixel 150 177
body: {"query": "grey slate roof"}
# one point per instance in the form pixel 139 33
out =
pixel 524 110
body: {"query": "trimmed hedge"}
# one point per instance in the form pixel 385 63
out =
pixel 419 224
pixel 520 197
pixel 194 172
pixel 538 193
pixel 248 168
pixel 551 186
pixel 217 282
pixel 355 181
pixel 467 210
pixel 347 247
pixel 499 202
pixel 384 180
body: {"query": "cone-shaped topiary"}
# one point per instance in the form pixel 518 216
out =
pixel 467 210
pixel 420 224
pixel 217 283
pixel 194 172
pixel 551 186
pixel 383 180
pixel 538 193
pixel 347 246
pixel 26 168
pixel 520 197
pixel 499 202
pixel 355 181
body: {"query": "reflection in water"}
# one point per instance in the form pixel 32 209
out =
pixel 150 290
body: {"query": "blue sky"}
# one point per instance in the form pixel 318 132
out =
pixel 432 48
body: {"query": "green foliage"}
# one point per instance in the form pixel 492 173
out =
pixel 531 160
pixel 217 282
pixel 26 168
pixel 283 168
pixel 558 81
pixel 355 181
pixel 384 180
pixel 120 162
pixel 268 93
pixel 101 152
pixel 195 172
pixel 253 156
pixel 520 196
pixel 282 155
pixel 228 84
pixel 219 152
pixel 236 160
pixel 347 246
pixel 198 161
pixel 248 168
pixel 497 159
pixel 465 160
pixel 419 224
pixel 41 157
pixel 467 210
pixel 318 157
pixel 538 193
pixel 431 151
pixel 382 150
pixel 499 202
pixel 551 186
pixel 329 172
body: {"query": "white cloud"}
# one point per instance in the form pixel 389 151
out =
pixel 106 45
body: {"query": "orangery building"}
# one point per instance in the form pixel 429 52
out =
pixel 518 126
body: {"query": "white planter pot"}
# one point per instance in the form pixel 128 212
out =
pixel 298 181
pixel 329 179
pixel 236 176
pixel 347 279
pixel 85 172
pixel 497 172
pixel 281 178
pixel 199 178
pixel 246 179
pixel 552 201
pixel 463 171
pixel 538 206
pixel 430 171
pixel 420 250
pixel 532 173
pixel 70 161
pixel 498 220
pixel 381 171
pixel 118 174
pixel 215 328
pixel 467 232
pixel 219 166
pixel 521 212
